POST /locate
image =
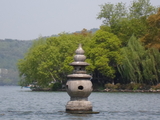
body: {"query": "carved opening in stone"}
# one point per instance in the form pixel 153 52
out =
pixel 66 86
pixel 79 68
pixel 80 87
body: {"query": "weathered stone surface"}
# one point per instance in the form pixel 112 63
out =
pixel 79 76
pixel 79 106
pixel 79 63
pixel 79 86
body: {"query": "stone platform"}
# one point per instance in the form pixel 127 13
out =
pixel 79 106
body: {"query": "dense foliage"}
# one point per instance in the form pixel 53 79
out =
pixel 121 51
pixel 48 60
pixel 124 21
pixel 138 64
pixel 104 55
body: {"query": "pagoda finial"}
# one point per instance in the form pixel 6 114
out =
pixel 79 50
pixel 80 45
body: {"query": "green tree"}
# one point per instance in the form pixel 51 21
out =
pixel 104 53
pixel 138 64
pixel 125 21
pixel 141 8
pixel 28 65
pixel 48 60
pixel 112 13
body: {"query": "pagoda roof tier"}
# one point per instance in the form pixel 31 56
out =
pixel 79 63
pixel 83 76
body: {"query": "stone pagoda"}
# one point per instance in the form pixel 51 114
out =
pixel 79 86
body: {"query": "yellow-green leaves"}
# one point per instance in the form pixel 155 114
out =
pixel 48 60
pixel 104 53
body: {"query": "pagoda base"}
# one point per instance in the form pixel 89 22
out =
pixel 82 112
pixel 78 106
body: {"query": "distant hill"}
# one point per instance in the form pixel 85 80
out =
pixel 10 52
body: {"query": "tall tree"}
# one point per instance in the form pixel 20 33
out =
pixel 141 8
pixel 125 21
pixel 112 13
pixel 104 53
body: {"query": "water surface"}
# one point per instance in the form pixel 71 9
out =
pixel 23 104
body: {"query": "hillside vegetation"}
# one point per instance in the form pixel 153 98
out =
pixel 10 52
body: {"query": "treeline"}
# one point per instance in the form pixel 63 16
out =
pixel 10 52
pixel 124 50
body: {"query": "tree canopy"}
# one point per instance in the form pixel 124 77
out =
pixel 49 60
pixel 125 21
pixel 104 52
pixel 138 64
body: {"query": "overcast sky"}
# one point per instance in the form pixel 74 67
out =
pixel 29 19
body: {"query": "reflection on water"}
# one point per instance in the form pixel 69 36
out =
pixel 22 104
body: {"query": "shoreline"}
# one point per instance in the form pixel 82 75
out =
pixel 107 90
pixel 133 91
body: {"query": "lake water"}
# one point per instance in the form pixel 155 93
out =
pixel 23 104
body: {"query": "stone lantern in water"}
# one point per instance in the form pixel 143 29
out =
pixel 79 86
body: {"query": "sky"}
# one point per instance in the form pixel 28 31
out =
pixel 30 19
